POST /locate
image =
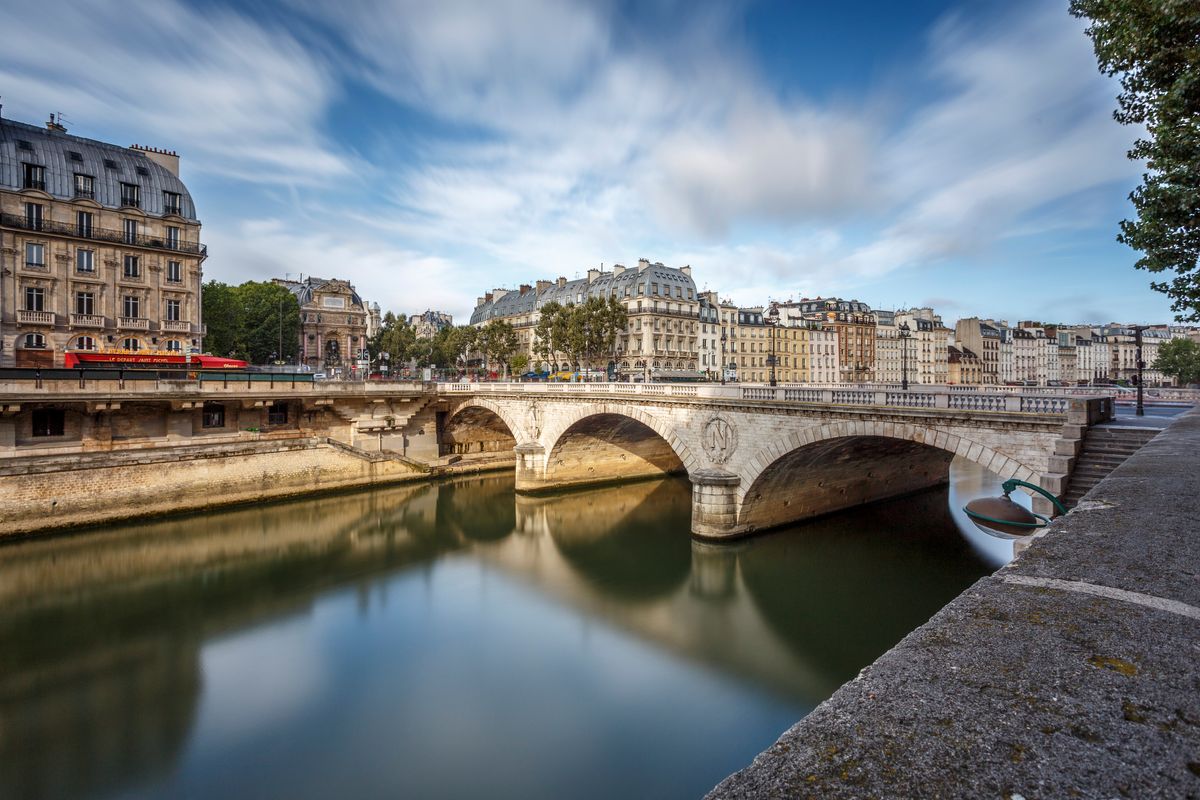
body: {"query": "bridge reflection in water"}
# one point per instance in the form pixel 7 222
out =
pixel 448 639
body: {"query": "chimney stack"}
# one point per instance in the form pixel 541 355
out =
pixel 643 264
pixel 167 159
pixel 593 274
pixel 543 285
pixel 686 269
pixel 561 281
pixel 618 269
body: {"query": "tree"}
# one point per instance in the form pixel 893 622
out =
pixel 551 331
pixel 599 321
pixel 518 364
pixel 258 321
pixel 396 339
pixel 1154 45
pixel 270 322
pixel 219 309
pixel 498 341
pixel 457 343
pixel 1179 358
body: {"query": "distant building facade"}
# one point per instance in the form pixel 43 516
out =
pixel 427 325
pixel 333 324
pixel 99 248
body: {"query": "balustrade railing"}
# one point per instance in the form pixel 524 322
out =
pixel 100 234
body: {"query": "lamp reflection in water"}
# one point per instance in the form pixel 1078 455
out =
pixel 1003 518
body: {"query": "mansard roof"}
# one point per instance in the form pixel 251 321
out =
pixel 63 155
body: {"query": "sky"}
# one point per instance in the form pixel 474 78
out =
pixel 961 155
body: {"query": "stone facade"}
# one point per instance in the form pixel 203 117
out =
pixel 99 248
pixel 854 325
pixel 663 332
pixel 427 325
pixel 333 324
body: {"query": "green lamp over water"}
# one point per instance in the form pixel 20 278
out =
pixel 1004 518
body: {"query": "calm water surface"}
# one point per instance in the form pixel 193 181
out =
pixel 450 640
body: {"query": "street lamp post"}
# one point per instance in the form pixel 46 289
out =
pixel 723 356
pixel 904 334
pixel 1139 365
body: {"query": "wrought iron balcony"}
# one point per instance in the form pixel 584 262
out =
pixel 19 222
pixel 35 317
pixel 87 194
pixel 31 183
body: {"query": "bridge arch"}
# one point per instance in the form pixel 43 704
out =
pixel 479 428
pixel 841 464
pixel 510 417
pixel 592 443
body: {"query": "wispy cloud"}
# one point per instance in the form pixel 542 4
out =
pixel 541 137
pixel 240 100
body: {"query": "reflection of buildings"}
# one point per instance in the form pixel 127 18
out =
pixel 333 323
pixel 120 618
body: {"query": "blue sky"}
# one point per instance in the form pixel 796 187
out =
pixel 960 154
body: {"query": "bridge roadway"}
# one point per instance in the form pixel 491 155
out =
pixel 760 457
pixel 757 456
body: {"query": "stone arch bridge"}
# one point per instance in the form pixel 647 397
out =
pixel 760 457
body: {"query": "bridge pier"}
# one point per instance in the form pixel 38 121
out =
pixel 715 504
pixel 531 466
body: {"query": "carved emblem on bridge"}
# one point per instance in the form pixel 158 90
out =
pixel 719 439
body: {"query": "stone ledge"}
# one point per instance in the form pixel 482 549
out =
pixel 1071 672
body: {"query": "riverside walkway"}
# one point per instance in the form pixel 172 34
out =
pixel 1072 672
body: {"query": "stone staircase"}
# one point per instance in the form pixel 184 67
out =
pixel 1104 449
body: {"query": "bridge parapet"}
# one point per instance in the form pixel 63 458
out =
pixel 940 397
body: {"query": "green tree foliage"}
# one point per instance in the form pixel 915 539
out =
pixel 1154 45
pixel 456 345
pixel 518 364
pixel 251 321
pixel 1179 358
pixel 582 335
pixel 498 342
pixel 396 339
pixel 551 333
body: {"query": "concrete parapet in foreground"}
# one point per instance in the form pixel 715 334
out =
pixel 1073 672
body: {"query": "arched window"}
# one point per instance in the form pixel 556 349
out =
pixel 85 343
pixel 174 346
pixel 131 344
pixel 35 340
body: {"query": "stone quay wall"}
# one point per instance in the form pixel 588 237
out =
pixel 1072 672
pixel 61 491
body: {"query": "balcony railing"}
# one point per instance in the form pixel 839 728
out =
pixel 30 183
pixel 176 326
pixel 87 321
pixel 35 317
pixel 87 194
pixel 100 234
pixel 134 323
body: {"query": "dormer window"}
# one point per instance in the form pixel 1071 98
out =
pixel 130 195
pixel 85 186
pixel 35 177
pixel 172 203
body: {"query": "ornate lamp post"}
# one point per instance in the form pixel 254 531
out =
pixel 773 320
pixel 904 333
pixel 1139 365
pixel 1003 518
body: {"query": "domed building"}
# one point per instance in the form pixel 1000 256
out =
pixel 99 248
pixel 333 324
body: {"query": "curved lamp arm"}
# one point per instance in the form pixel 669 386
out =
pixel 1012 483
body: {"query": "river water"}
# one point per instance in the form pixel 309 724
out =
pixel 450 640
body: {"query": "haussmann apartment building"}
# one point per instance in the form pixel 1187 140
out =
pixel 99 248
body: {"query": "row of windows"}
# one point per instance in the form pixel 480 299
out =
pixel 85 261
pixel 85 303
pixel 37 341
pixel 131 229
pixel 85 187
pixel 51 422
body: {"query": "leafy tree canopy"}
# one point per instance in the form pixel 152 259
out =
pixel 258 321
pixel 1179 358
pixel 1154 45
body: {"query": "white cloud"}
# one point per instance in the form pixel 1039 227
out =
pixel 235 98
